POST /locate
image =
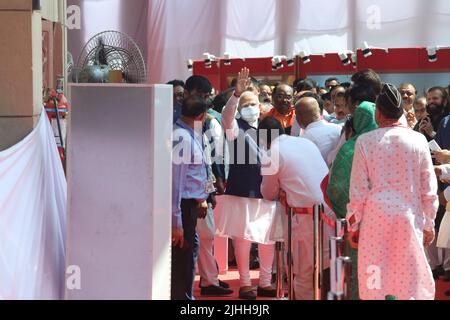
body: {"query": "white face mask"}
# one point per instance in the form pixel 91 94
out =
pixel 251 113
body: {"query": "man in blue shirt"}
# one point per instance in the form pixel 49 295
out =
pixel 178 97
pixel 190 190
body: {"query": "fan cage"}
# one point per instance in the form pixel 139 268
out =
pixel 122 53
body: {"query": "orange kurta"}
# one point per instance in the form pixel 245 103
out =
pixel 286 120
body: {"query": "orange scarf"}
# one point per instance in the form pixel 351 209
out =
pixel 286 121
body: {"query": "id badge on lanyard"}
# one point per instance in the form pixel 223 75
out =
pixel 209 185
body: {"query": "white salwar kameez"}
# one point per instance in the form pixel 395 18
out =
pixel 393 199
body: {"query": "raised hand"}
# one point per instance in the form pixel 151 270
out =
pixel 243 81
pixel 426 127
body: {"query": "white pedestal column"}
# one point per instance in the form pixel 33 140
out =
pixel 119 180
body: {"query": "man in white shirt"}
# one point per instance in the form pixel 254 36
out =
pixel 299 175
pixel 323 134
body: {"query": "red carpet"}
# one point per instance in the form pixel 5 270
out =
pixel 232 278
pixel 441 287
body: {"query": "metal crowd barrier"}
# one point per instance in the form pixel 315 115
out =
pixel 340 264
pixel 318 226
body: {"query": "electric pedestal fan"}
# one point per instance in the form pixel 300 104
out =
pixel 110 51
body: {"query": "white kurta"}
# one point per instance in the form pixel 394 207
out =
pixel 325 136
pixel 393 199
pixel 240 217
pixel 301 170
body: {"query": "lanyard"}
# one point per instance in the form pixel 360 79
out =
pixel 192 134
pixel 208 169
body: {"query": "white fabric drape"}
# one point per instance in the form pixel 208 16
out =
pixel 179 30
pixel 33 195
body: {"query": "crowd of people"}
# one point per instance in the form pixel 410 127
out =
pixel 362 149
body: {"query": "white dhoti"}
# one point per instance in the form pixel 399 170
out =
pixel 250 220
pixel 443 240
pixel 246 218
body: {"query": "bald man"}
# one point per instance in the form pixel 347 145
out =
pixel 301 170
pixel 323 134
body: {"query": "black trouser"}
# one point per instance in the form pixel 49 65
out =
pixel 184 260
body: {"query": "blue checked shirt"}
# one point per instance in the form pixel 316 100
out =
pixel 189 170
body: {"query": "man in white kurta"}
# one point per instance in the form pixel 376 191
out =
pixel 242 213
pixel 323 134
pixel 393 204
pixel 301 169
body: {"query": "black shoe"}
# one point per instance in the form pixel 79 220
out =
pixel 267 293
pixel 232 263
pixel 447 276
pixel 254 264
pixel 215 291
pixel 247 294
pixel 221 284
pixel 439 271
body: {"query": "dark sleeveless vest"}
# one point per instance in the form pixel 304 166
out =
pixel 244 179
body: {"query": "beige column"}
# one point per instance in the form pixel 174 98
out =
pixel 20 70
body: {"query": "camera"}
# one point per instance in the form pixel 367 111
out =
pixel 190 64
pixel 367 52
pixel 345 59
pixel 305 57
pixel 432 54
pixel 227 59
pixel 277 63
pixel 207 58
